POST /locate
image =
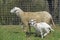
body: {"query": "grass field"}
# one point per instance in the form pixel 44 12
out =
pixel 14 32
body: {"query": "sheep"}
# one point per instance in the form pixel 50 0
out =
pixel 26 16
pixel 41 27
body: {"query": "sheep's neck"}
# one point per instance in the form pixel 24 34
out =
pixel 20 12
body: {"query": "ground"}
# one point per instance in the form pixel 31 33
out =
pixel 15 32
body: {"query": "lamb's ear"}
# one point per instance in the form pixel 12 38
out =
pixel 15 7
pixel 29 22
pixel 34 20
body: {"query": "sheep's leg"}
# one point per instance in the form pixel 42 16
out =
pixel 29 30
pixel 47 31
pixel 25 28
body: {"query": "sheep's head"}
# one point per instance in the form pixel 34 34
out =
pixel 15 10
pixel 32 22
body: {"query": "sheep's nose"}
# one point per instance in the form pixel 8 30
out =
pixel 11 11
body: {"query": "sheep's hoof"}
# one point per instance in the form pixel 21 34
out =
pixel 28 34
pixel 24 30
pixel 29 38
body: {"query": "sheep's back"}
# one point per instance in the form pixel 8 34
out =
pixel 39 16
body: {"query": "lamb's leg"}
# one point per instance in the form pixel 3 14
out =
pixel 51 29
pixel 47 31
pixel 41 34
pixel 36 32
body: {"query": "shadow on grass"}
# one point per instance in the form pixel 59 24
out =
pixel 28 34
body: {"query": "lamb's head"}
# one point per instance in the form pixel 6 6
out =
pixel 32 22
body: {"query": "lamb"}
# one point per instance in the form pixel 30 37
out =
pixel 26 16
pixel 41 27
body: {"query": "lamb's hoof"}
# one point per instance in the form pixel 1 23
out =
pixel 42 38
pixel 36 35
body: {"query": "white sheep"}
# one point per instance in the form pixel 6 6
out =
pixel 26 16
pixel 41 27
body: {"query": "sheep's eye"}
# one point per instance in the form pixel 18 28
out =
pixel 15 10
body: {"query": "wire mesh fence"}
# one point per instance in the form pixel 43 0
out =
pixel 6 18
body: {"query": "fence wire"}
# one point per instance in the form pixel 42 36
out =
pixel 6 18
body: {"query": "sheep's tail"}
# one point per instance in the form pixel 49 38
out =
pixel 52 22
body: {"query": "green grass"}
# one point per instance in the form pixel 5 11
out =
pixel 14 32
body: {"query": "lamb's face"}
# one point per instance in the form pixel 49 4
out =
pixel 32 22
pixel 14 10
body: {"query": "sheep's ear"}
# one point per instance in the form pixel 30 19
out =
pixel 17 12
pixel 15 7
